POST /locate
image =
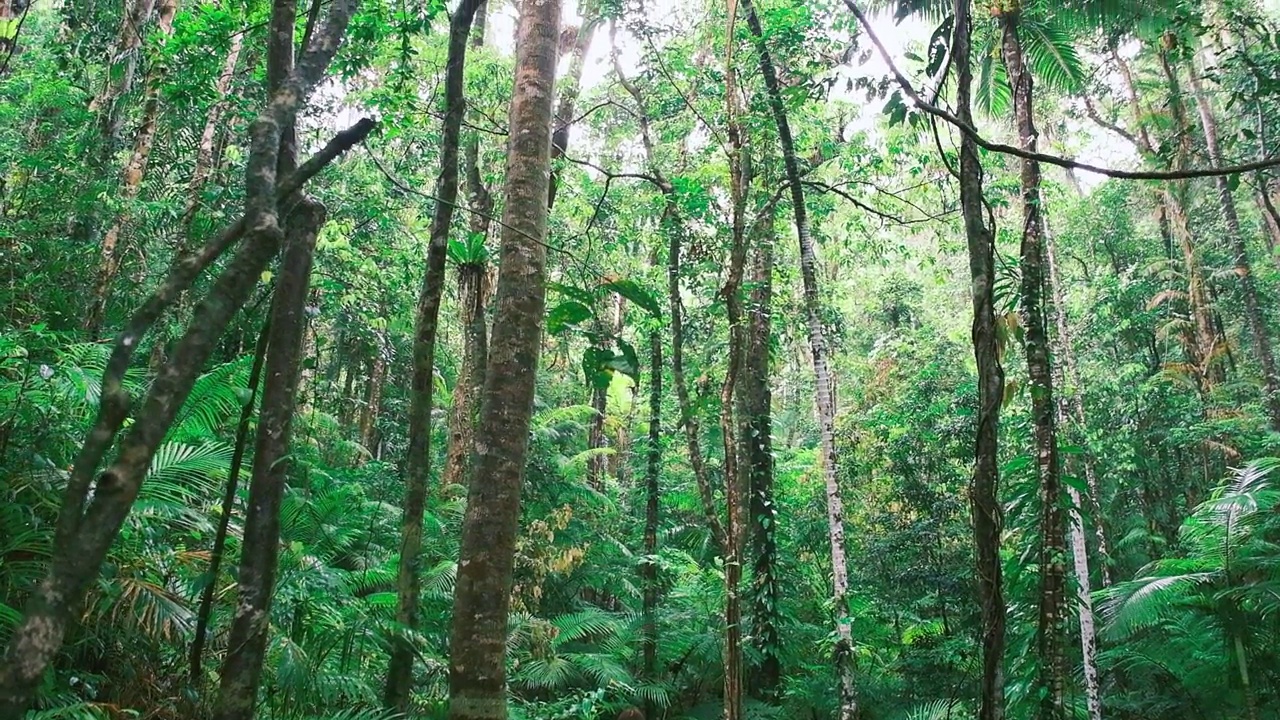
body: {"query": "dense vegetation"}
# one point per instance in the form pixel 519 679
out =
pixel 639 359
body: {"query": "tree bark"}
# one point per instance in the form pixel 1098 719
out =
pixel 652 476
pixel 1064 351
pixel 477 661
pixel 418 463
pixel 259 555
pixel 371 408
pixel 825 400
pixel 205 611
pixel 131 182
pixel 756 443
pixel 474 290
pixel 570 88
pixel 123 67
pixel 1240 256
pixel 1051 618
pixel 984 488
pixel 212 126
pixel 87 525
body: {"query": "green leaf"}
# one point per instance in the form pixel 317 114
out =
pixel 565 315
pixel 632 291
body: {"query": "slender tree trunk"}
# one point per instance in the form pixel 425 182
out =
pixel 123 65
pixel 418 464
pixel 473 297
pixel 652 475
pixel 1051 621
pixel 212 126
pixel 205 611
pixel 984 488
pixel 1240 256
pixel 477 661
pixel 731 293
pixel 756 443
pixel 131 181
pixel 259 556
pixel 825 401
pixel 87 525
pixel 1063 350
pixel 372 406
pixel 575 44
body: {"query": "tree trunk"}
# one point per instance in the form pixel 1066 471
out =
pixel 984 488
pixel 122 68
pixel 474 290
pixel 477 661
pixel 1051 618
pixel 131 182
pixel 87 525
pixel 259 555
pixel 575 43
pixel 212 126
pixel 372 405
pixel 1240 256
pixel 756 443
pixel 652 475
pixel 205 611
pixel 1063 350
pixel 825 401
pixel 418 463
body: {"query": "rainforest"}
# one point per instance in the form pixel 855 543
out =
pixel 639 359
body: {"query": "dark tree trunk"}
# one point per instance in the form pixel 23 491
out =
pixel 1050 629
pixel 205 611
pixel 473 297
pixel 247 641
pixel 418 463
pixel 371 408
pixel 477 660
pixel 826 399
pixel 756 443
pixel 652 491
pixel 87 526
pixel 984 488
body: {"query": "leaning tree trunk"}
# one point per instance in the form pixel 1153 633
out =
pixel 576 44
pixel 123 67
pixel 477 661
pixel 984 488
pixel 1240 256
pixel 131 183
pixel 825 400
pixel 212 126
pixel 1062 349
pixel 87 525
pixel 418 463
pixel 1051 616
pixel 473 298
pixel 205 611
pixel 756 443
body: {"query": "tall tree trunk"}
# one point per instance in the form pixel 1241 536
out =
pixel 652 491
pixel 259 555
pixel 1051 618
pixel 477 661
pixel 205 611
pixel 984 488
pixel 1063 350
pixel 208 136
pixel 756 443
pixel 473 297
pixel 122 68
pixel 131 182
pixel 371 408
pixel 1240 256
pixel 575 42
pixel 825 400
pixel 418 463
pixel 731 293
pixel 87 525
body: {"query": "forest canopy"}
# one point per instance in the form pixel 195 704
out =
pixel 639 359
